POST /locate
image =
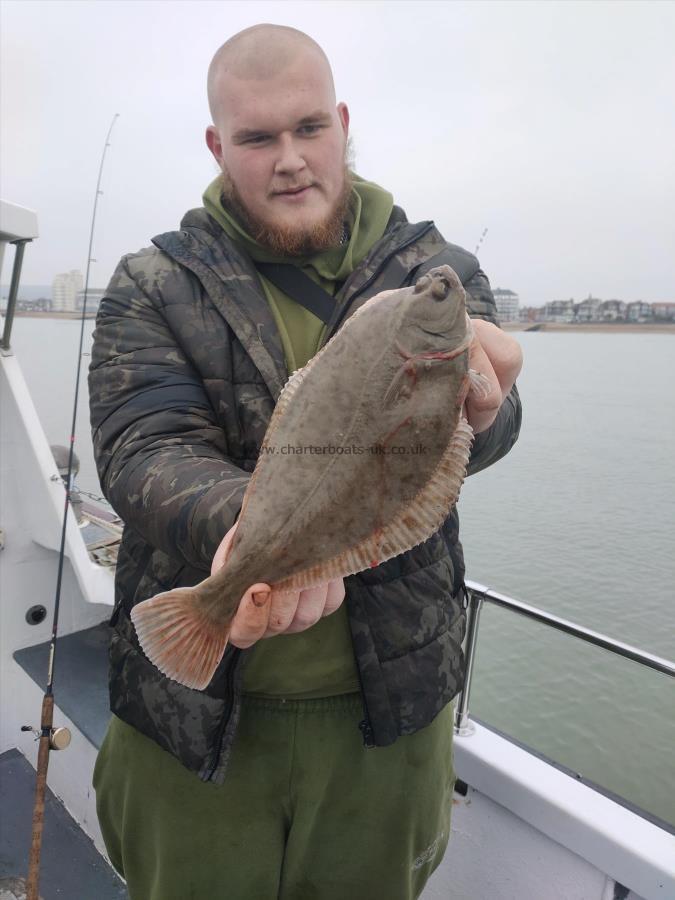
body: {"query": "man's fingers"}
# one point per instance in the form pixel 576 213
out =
pixel 503 351
pixel 334 597
pixel 310 608
pixel 482 408
pixel 264 613
pixel 250 621
pixel 498 358
pixel 282 611
pixel 298 610
pixel 220 555
pixel 223 551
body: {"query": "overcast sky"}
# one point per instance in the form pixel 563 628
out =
pixel 552 124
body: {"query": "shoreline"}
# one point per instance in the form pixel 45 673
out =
pixel 589 327
pixel 28 314
pixel 593 327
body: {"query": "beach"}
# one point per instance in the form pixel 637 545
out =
pixel 594 327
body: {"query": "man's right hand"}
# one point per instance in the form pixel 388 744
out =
pixel 264 613
pixel 498 357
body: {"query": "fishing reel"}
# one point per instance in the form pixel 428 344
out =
pixel 59 738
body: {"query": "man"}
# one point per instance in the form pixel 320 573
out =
pixel 317 763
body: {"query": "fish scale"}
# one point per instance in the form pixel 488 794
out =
pixel 383 401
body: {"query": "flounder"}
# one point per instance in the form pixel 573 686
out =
pixel 363 459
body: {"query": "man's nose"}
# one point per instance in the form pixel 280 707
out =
pixel 290 159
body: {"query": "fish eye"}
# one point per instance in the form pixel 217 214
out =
pixel 440 288
pixel 422 284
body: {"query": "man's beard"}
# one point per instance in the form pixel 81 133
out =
pixel 288 241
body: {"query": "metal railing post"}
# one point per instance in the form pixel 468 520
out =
pixel 479 594
pixel 462 724
pixel 13 291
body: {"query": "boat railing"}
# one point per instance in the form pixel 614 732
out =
pixel 20 246
pixel 478 595
pixel 18 226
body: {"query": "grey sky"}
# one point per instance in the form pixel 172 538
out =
pixel 551 124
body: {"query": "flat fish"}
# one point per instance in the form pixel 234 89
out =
pixel 363 459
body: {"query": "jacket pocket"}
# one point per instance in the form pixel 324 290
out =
pixel 182 721
pixel 423 681
pixel 407 613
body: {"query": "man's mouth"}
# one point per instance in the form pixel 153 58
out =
pixel 290 192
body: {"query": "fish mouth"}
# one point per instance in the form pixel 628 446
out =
pixel 442 353
pixel 447 352
pixel 440 334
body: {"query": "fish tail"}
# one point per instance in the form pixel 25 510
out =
pixel 179 638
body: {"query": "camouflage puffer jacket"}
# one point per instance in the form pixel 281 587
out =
pixel 186 369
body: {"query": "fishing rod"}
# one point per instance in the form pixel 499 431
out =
pixel 58 738
pixel 478 245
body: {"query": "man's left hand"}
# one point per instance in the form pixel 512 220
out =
pixel 264 612
pixel 498 358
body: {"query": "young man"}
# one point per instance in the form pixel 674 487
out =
pixel 317 763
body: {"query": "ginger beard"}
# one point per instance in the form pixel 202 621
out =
pixel 289 241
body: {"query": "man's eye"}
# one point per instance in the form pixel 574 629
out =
pixel 309 129
pixel 257 139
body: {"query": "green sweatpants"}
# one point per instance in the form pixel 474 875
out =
pixel 305 813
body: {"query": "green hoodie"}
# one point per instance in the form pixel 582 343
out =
pixel 301 331
pixel 318 662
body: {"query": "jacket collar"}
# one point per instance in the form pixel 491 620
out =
pixel 229 277
pixel 231 282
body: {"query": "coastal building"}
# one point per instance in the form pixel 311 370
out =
pixel 531 314
pixel 594 310
pixel 41 304
pixel 94 297
pixel 508 304
pixel 664 312
pixel 612 311
pixel 64 290
pixel 639 311
pixel 559 311
pixel 587 310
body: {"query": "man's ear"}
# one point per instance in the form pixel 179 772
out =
pixel 214 144
pixel 343 115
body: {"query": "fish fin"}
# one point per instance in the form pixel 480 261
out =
pixel 398 388
pixel 178 638
pixel 287 393
pixel 415 523
pixel 479 384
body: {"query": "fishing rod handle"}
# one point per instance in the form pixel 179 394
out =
pixel 47 720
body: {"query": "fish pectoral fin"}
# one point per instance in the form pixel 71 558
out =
pixel 178 638
pixel 479 384
pixel 399 387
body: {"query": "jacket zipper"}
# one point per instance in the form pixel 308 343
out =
pixel 227 713
pixel 367 732
pixel 364 726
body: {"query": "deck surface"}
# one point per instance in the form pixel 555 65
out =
pixel 80 677
pixel 72 868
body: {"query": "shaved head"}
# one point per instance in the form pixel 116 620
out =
pixel 280 140
pixel 260 53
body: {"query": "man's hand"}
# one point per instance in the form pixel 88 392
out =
pixel 498 358
pixel 263 612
